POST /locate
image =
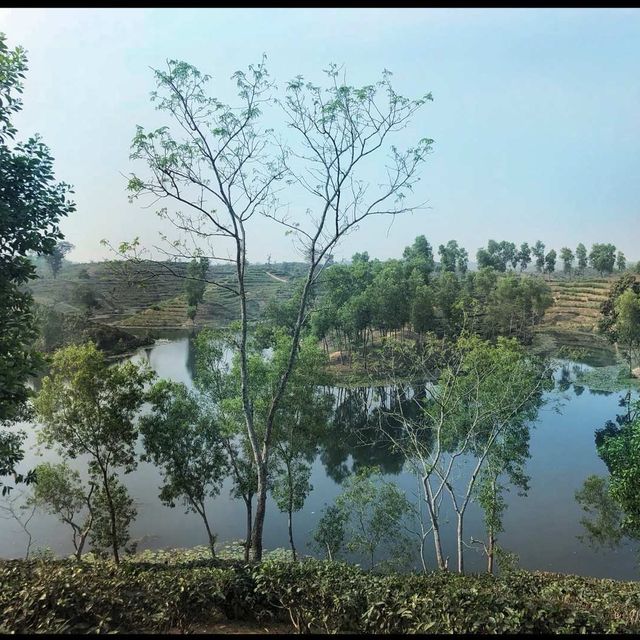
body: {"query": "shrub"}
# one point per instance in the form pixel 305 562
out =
pixel 314 595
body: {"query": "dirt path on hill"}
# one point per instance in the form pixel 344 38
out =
pixel 275 277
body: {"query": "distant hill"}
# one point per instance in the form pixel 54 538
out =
pixel 145 296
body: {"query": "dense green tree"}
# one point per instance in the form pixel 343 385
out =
pixel 453 257
pixel 524 256
pixel 581 257
pixel 32 205
pixel 374 516
pixel 114 511
pixel 57 255
pixel 84 295
pixel 183 440
pixel 498 255
pixel 463 261
pixel 602 257
pixel 567 257
pixel 422 309
pixel 195 284
pixel 619 320
pixel 538 253
pixel 420 256
pixel 89 407
pixel 621 261
pixel 550 261
pixel 627 324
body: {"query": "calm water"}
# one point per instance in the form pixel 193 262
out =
pixel 541 528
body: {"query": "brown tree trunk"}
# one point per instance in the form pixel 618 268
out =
pixel 247 544
pixel 112 515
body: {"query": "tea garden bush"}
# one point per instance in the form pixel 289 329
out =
pixel 161 594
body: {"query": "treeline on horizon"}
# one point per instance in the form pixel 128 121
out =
pixel 415 295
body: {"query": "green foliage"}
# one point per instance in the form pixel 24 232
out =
pixel 85 296
pixel 32 205
pixel 316 596
pixel 420 256
pixel 88 407
pixel 524 256
pixel 550 261
pixel 538 253
pixel 325 597
pixel 621 261
pixel 59 329
pixel 567 257
pixel 183 439
pixel 498 255
pixel 453 257
pixel 57 597
pixel 604 527
pixel 113 513
pixel 59 491
pixel 374 514
pixel 581 256
pixel 56 257
pixel 195 284
pixel 328 536
pixel 602 257
pixel 620 315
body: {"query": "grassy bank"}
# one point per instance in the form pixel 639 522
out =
pixel 201 595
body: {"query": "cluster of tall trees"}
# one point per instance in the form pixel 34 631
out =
pixel 369 298
pixel 504 255
pixel 194 436
pixel 464 434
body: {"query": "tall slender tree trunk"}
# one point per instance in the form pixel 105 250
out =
pixel 261 508
pixel 211 537
pixel 247 544
pixel 433 516
pixel 459 544
pixel 491 550
pixel 112 515
pixel 290 524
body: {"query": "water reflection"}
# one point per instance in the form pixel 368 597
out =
pixel 542 528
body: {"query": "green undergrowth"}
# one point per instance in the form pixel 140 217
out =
pixel 174 591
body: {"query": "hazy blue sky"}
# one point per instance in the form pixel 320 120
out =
pixel 536 113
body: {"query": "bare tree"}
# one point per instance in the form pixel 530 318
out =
pixel 21 513
pixel 220 167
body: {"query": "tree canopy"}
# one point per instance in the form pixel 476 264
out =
pixel 32 204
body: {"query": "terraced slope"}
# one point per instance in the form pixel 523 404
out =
pixel 140 300
pixel 577 303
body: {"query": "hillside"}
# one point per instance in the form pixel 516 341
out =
pixel 577 302
pixel 154 299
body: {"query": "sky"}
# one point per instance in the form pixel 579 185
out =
pixel 535 113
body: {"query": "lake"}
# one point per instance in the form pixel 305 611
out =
pixel 541 528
